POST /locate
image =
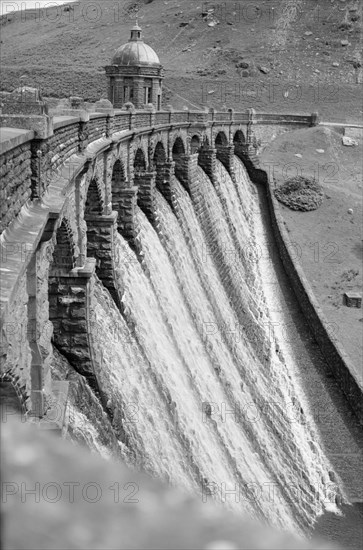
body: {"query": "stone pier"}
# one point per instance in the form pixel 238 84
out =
pixel 207 160
pixel 225 154
pixel 185 171
pixel 100 245
pixel 146 184
pixel 69 312
pixel 164 180
pixel 126 222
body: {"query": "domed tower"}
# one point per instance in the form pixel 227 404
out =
pixel 135 74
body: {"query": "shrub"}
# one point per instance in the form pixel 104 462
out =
pixel 300 193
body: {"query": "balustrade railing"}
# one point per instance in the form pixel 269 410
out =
pixel 69 136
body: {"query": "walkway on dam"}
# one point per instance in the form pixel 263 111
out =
pixel 339 430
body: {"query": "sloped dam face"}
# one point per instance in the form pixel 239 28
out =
pixel 200 386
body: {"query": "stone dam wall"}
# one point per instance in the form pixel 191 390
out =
pixel 75 179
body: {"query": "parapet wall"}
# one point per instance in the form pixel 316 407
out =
pixel 15 173
pixel 337 359
pixel 28 168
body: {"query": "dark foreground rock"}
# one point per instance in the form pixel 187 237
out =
pixel 58 496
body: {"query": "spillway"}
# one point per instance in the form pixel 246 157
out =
pixel 203 390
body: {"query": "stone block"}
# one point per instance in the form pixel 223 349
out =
pixel 79 340
pixel 78 290
pixel 42 125
pixel 79 326
pixel 78 313
pixel 352 299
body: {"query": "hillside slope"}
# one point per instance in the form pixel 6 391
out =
pixel 276 55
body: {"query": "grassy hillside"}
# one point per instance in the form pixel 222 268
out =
pixel 280 55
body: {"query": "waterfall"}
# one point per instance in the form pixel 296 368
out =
pixel 201 389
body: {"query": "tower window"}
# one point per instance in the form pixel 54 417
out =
pixel 128 93
pixel 147 95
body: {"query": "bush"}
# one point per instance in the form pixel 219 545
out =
pixel 300 193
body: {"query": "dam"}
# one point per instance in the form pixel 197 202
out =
pixel 147 314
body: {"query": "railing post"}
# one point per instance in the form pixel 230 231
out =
pixel 105 107
pixel 110 120
pixel 152 115
pixel 83 131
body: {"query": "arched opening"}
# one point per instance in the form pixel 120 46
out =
pixel 206 158
pixel 178 153
pixel 63 255
pixel 159 160
pixel 92 211
pixel 94 202
pixel 239 137
pixel 221 142
pixel 242 151
pixel 194 144
pixel 118 182
pixel 63 262
pixel 224 152
pixel 139 161
pixel 68 295
pixel 239 143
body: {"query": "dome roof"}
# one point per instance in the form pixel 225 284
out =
pixel 135 52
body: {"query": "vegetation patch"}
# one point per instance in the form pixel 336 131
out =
pixel 300 193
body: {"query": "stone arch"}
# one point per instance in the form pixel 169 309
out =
pixel 239 138
pixel 178 153
pixel 12 397
pixel 139 161
pixel 118 182
pixel 159 155
pixel 239 144
pixel 224 152
pixel 220 139
pixel 93 210
pixel 62 262
pixel 195 144
pixel 159 161
pixel 94 202
pixel 64 250
pixel 178 146
pixel 68 295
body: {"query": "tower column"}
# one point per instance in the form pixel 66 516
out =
pixel 138 100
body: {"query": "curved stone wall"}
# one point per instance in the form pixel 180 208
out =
pixel 70 181
pixel 333 350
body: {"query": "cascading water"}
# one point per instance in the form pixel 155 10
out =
pixel 200 392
